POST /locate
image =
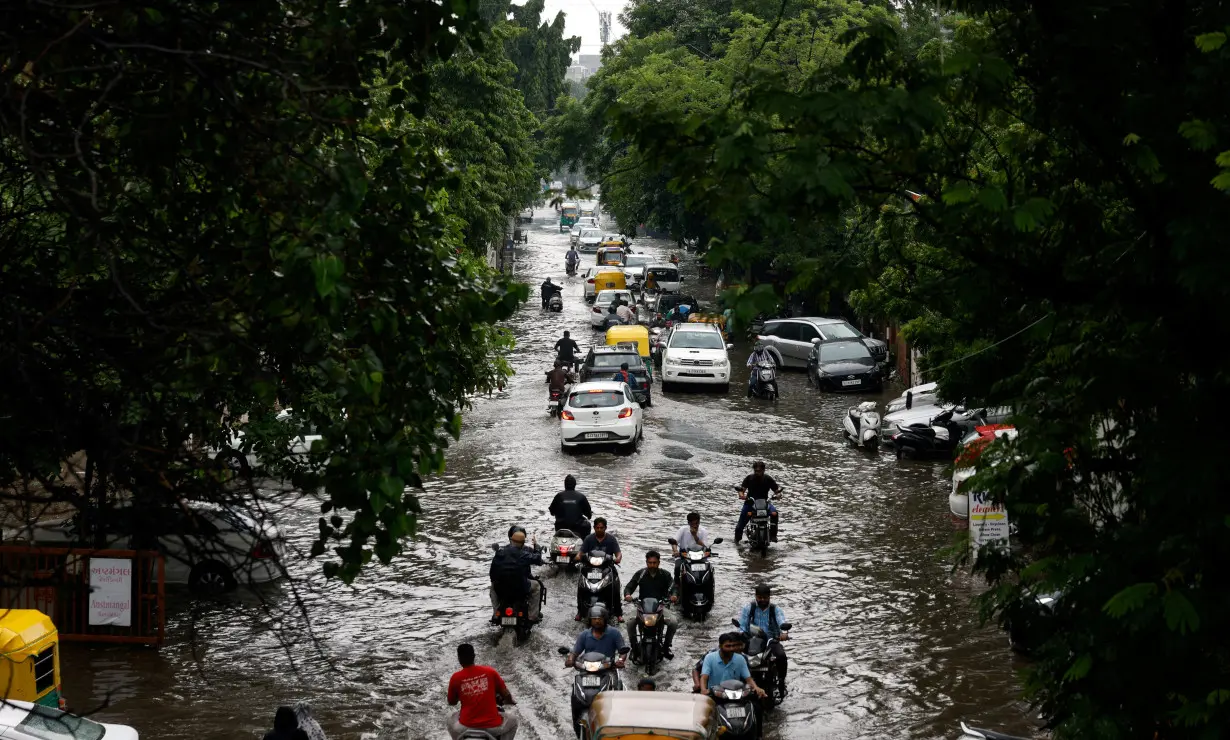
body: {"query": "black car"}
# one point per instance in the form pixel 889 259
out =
pixel 842 366
pixel 603 362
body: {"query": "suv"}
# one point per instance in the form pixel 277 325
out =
pixel 603 362
pixel 696 354
pixel 790 340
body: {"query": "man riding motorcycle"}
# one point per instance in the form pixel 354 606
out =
pixel 600 540
pixel 757 486
pixel 567 351
pixel 548 288
pixel 598 638
pixel 653 583
pixel 688 537
pixel 476 687
pixel 759 355
pixel 571 509
pixel 768 617
pixel 571 259
pixel 558 378
pixel 510 574
pixel 625 312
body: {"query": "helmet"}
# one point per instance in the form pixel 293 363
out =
pixel 598 611
pixel 515 529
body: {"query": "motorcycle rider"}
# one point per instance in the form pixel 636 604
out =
pixel 558 378
pixel 757 486
pixel 548 288
pixel 571 259
pixel 566 350
pixel 759 354
pixel 571 509
pixel 693 535
pixel 598 638
pixel 625 312
pixel 476 687
pixel 653 583
pixel 510 574
pixel 739 646
pixel 726 664
pixel 600 540
pixel 768 617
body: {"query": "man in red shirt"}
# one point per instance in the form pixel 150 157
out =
pixel 476 687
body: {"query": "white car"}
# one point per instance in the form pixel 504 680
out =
pixel 21 720
pixel 589 240
pixel 300 445
pixel 666 276
pixel 696 354
pixel 634 275
pixel 600 413
pixel 602 305
pixel 208 548
pixel 574 233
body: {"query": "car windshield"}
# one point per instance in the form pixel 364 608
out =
pixel 636 260
pixel 838 351
pixel 697 340
pixel 667 302
pixel 613 361
pixel 589 234
pixel 669 274
pixel 839 331
pixel 605 297
pixel 596 399
pixel 46 723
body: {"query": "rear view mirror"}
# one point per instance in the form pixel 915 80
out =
pixel 735 622
pixel 785 626
pixel 815 340
pixel 673 541
pixel 729 347
pixel 495 547
pixel 717 541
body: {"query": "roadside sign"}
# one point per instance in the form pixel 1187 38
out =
pixel 111 591
pixel 988 521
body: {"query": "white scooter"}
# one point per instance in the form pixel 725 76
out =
pixel 862 425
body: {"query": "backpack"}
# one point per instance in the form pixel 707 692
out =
pixel 772 616
pixel 508 574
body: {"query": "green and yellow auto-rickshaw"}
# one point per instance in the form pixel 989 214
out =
pixel 568 215
pixel 650 715
pixel 30 646
pixel 611 254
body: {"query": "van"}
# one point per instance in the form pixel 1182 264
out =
pixel 696 354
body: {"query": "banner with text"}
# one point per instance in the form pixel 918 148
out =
pixel 111 591
pixel 988 521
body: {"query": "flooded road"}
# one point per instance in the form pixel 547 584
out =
pixel 885 640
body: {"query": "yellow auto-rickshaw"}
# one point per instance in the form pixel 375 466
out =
pixel 612 279
pixel 631 336
pixel 611 253
pixel 716 319
pixel 30 646
pixel 650 715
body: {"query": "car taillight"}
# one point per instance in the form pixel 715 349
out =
pixel 566 414
pixel 625 413
pixel 263 551
pixel 508 612
pixel 590 281
pixel 597 310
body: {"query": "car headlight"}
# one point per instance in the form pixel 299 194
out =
pixel 673 361
pixel 720 363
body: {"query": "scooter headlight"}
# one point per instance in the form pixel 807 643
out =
pixel 734 695
pixel 596 561
pixel 753 662
pixel 649 620
pixel 592 665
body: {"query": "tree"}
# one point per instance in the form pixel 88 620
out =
pixel 204 217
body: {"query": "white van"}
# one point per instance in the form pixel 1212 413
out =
pixel 695 354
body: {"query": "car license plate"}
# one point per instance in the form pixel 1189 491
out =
pixel 736 712
pixel 699 566
pixel 693 372
pixel 562 558
pixel 591 680
pixel 856 381
pixel 510 621
pixel 595 435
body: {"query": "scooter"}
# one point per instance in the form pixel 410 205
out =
pixel 648 642
pixel 553 292
pixel 759 522
pixel 597 578
pixel 555 401
pixel 937 438
pixel 761 663
pixel 695 579
pixel 474 733
pixel 564 544
pixel 736 711
pixel 555 304
pixel 612 320
pixel 595 673
pixel 862 425
pixel 570 268
pixel 514 612
pixel 766 381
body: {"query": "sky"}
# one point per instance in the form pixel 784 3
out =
pixel 582 20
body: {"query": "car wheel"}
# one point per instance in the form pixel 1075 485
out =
pixel 211 578
pixel 725 388
pixel 564 449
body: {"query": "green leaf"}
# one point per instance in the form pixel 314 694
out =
pixel 1179 612
pixel 1218 697
pixel 327 270
pixel 1208 42
pixel 1130 139
pixel 1032 214
pixel 1079 668
pixel 961 192
pixel 1201 134
pixel 1129 599
pixel 993 199
pixel 1223 159
pixel 1222 181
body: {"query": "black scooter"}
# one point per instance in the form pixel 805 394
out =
pixel 695 578
pixel 937 438
pixel 766 382
pixel 737 711
pixel 649 631
pixel 596 582
pixel 514 610
pixel 595 673
pixel 554 291
pixel 762 664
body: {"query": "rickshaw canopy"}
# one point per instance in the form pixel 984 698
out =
pixel 611 254
pixel 25 632
pixel 650 715
pixel 637 336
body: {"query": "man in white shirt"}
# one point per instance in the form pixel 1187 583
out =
pixel 691 536
pixel 624 312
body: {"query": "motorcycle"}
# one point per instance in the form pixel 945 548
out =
pixel 597 578
pixel 514 610
pixel 555 304
pixel 595 673
pixel 570 363
pixel 649 624
pixel 862 425
pixel 695 579
pixel 570 268
pixel 936 438
pixel 563 545
pixel 758 524
pixel 766 381
pixel 555 401
pixel 657 344
pixel 736 711
pixel 762 664
pixel 612 320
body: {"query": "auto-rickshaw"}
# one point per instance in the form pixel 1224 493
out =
pixel 30 646
pixel 611 254
pixel 717 319
pixel 632 336
pixel 568 216
pixel 650 715
pixel 613 279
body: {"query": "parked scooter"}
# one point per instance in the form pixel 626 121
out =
pixel 597 579
pixel 514 610
pixel 595 673
pixel 649 640
pixel 862 425
pixel 695 579
pixel 762 665
pixel 555 303
pixel 766 381
pixel 563 548
pixel 738 718
pixel 937 438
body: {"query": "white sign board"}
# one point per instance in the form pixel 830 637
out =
pixel 111 591
pixel 988 521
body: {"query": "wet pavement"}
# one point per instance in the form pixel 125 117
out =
pixel 885 641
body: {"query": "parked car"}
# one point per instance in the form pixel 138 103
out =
pixel 602 305
pixel 300 445
pixel 574 232
pixel 601 413
pixel 603 362
pixel 209 548
pixel 790 340
pixel 968 453
pixel 926 394
pixel 696 354
pixel 589 240
pixel 21 720
pixel 843 366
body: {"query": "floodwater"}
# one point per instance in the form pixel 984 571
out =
pixel 886 641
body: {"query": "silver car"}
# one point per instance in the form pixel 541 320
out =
pixel 790 340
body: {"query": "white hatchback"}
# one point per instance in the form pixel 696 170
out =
pixel 589 240
pixel 696 354
pixel 601 413
pixel 602 305
pixel 21 720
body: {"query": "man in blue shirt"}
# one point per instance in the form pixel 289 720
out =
pixel 598 639
pixel 768 617
pixel 727 664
